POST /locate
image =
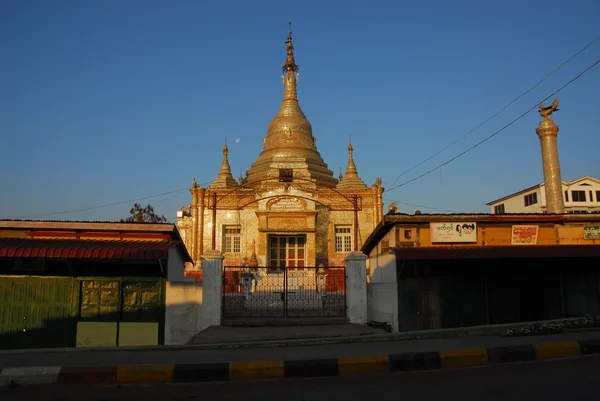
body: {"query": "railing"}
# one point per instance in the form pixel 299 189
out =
pixel 284 292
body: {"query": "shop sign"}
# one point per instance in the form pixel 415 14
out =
pixel 453 232
pixel 591 232
pixel 524 235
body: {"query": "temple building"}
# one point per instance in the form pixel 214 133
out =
pixel 289 210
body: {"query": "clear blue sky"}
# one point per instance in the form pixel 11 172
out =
pixel 104 101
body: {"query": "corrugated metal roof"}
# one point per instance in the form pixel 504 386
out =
pixel 85 249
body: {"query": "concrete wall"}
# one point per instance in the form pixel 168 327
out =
pixel 175 265
pixel 183 317
pixel 382 302
pixel 382 289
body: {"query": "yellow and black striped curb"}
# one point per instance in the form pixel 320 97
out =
pixel 236 371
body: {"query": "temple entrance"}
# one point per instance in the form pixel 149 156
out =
pixel 287 287
pixel 287 251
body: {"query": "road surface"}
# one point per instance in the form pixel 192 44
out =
pixel 565 379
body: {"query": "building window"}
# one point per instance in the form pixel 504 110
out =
pixel 343 239
pixel 499 209
pixel 286 175
pixel 597 196
pixel 566 196
pixel 287 251
pixel 531 199
pixel 232 239
pixel 578 196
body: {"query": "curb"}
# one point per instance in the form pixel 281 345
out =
pixel 238 371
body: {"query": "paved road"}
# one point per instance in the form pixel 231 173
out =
pixel 190 355
pixel 560 380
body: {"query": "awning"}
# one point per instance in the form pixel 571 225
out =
pixel 498 252
pixel 85 249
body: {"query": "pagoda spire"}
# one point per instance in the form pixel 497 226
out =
pixel 289 71
pixel 289 142
pixel 225 178
pixel 351 180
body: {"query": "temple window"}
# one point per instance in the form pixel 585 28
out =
pixel 232 239
pixel 343 239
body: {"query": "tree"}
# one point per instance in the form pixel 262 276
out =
pixel 141 214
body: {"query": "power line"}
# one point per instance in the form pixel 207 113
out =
pixel 110 204
pixel 422 206
pixel 105 205
pixel 497 132
pixel 498 112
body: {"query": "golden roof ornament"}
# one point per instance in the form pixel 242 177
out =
pixel 545 111
pixel 289 143
pixel 225 179
pixel 351 180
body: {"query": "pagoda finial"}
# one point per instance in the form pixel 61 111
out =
pixel 351 179
pixel 224 179
pixel 290 69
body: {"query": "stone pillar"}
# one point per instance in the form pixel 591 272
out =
pixel 200 222
pixel 194 228
pixel 356 287
pixel 212 281
pixel 547 132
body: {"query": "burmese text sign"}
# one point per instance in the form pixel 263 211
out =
pixel 591 232
pixel 524 235
pixel 453 232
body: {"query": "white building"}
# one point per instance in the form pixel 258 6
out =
pixel 581 196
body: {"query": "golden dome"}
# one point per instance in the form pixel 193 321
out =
pixel 289 143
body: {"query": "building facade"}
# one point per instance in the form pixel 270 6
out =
pixel 580 196
pixel 86 284
pixel 288 210
pixel 446 271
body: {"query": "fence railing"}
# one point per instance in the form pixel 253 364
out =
pixel 284 292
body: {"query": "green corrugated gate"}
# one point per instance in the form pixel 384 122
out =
pixel 38 312
pixel 42 312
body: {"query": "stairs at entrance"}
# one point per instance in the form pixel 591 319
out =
pixel 256 330
pixel 278 321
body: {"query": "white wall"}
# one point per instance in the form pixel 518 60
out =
pixel 590 202
pixel 183 317
pixel 382 301
pixel 382 290
pixel 516 203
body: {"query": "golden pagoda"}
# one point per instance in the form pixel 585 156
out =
pixel 288 210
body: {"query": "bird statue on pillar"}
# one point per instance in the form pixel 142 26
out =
pixel 545 111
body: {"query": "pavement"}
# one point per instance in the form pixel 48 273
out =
pixel 291 352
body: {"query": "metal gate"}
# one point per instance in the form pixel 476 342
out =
pixel 37 312
pixel 284 292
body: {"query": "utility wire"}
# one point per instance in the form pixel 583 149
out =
pixel 497 132
pixel 498 112
pixel 109 204
pixel 421 206
pixel 106 205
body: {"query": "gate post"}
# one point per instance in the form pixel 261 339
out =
pixel 212 287
pixel 356 287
